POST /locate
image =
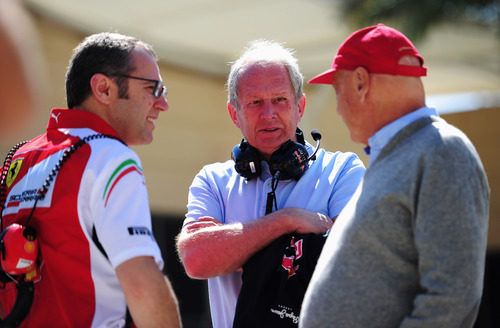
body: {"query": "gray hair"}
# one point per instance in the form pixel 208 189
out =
pixel 264 52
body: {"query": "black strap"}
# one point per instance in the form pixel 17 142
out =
pixel 22 306
pixel 270 201
pixel 98 243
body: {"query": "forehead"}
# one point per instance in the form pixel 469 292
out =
pixel 339 79
pixel 259 79
pixel 144 62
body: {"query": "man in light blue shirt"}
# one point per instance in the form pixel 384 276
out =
pixel 233 212
pixel 409 248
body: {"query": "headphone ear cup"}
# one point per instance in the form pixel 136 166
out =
pixel 22 247
pixel 290 160
pixel 246 160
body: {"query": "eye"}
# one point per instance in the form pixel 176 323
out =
pixel 280 99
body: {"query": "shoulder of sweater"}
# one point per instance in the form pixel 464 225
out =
pixel 337 156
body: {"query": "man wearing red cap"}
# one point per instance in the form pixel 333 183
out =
pixel 408 250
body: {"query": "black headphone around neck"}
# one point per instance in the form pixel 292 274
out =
pixel 290 160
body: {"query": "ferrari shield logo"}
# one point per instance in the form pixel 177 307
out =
pixel 13 171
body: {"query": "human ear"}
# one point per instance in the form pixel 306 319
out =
pixel 301 103
pixel 361 82
pixel 101 86
pixel 232 113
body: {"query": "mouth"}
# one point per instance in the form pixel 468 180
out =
pixel 151 119
pixel 269 130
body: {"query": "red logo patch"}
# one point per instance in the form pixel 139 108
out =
pixel 292 252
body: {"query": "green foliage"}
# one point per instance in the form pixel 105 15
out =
pixel 415 17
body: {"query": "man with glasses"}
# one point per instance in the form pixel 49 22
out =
pixel 98 264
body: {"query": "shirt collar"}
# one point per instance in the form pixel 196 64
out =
pixel 61 118
pixel 377 142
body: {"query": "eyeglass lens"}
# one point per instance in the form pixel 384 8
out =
pixel 160 89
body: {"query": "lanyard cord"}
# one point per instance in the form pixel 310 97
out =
pixel 271 196
pixel 3 179
pixel 40 195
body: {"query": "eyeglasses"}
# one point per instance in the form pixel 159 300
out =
pixel 159 90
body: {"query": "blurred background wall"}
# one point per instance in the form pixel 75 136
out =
pixel 196 39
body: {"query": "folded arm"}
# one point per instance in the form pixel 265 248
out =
pixel 209 248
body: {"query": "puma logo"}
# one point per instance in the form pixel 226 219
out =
pixel 56 117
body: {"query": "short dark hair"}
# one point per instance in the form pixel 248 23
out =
pixel 106 53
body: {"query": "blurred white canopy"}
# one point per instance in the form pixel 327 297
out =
pixel 204 35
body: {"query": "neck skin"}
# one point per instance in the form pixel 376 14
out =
pixel 375 100
pixel 394 97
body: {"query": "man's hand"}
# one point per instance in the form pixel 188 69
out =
pixel 304 221
pixel 209 248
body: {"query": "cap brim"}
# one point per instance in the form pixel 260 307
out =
pixel 324 78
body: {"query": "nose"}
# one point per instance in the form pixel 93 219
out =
pixel 162 104
pixel 268 110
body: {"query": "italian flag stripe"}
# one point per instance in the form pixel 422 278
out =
pixel 123 169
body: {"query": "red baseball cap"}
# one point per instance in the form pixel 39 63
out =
pixel 377 48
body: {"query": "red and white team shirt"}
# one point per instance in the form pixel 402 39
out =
pixel 101 186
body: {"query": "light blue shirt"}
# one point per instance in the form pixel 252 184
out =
pixel 219 191
pixel 384 135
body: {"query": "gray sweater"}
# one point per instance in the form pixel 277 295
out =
pixel 409 248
